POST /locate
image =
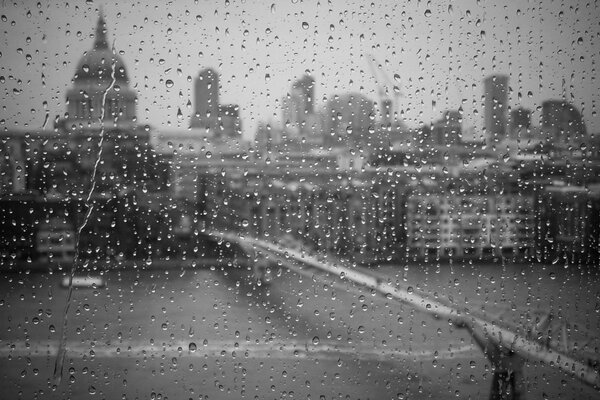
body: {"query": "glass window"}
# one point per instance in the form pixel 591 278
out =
pixel 299 199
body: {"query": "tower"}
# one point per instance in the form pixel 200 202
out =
pixel 562 123
pixel 496 103
pixel 206 101
pixel 298 107
pixel 520 121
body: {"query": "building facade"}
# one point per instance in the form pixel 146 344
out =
pixel 495 107
pixel 206 101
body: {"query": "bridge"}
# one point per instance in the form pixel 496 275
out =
pixel 508 346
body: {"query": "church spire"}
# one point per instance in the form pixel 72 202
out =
pixel 101 42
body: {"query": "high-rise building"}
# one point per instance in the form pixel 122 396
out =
pixel 306 86
pixel 562 123
pixel 448 129
pixel 230 124
pixel 520 121
pixel 206 100
pixel 496 103
pixel 298 108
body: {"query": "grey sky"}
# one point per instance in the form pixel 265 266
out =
pixel 440 52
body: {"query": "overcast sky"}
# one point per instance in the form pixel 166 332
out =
pixel 440 53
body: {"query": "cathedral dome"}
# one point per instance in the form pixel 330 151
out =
pixel 96 66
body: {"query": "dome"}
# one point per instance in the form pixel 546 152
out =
pixel 96 65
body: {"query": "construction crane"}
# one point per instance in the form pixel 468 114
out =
pixel 384 88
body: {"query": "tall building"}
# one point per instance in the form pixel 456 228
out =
pixel 520 121
pixel 448 129
pixel 562 123
pixel 298 108
pixel 496 103
pixel 230 125
pixel 306 86
pixel 206 100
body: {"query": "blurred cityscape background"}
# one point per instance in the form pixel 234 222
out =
pixel 350 178
pixel 165 188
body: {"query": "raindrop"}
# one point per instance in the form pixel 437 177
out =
pixel 169 83
pixel 192 347
pixel 305 25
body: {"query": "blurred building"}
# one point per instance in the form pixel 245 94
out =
pixel 230 124
pixel 100 93
pixel 306 86
pixel 101 112
pixel 569 224
pixel 50 173
pixel 495 107
pixel 356 217
pixel 520 122
pixel 562 123
pixel 206 100
pixel 468 222
pixel 448 129
pixel 298 113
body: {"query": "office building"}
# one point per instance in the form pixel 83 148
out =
pixel 495 107
pixel 562 123
pixel 520 122
pixel 206 101
pixel 230 124
pixel 448 129
pixel 298 109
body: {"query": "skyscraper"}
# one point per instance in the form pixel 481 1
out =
pixel 298 107
pixel 306 87
pixel 448 129
pixel 562 123
pixel 520 121
pixel 496 103
pixel 230 125
pixel 206 100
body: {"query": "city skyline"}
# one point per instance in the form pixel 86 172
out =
pixel 536 70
